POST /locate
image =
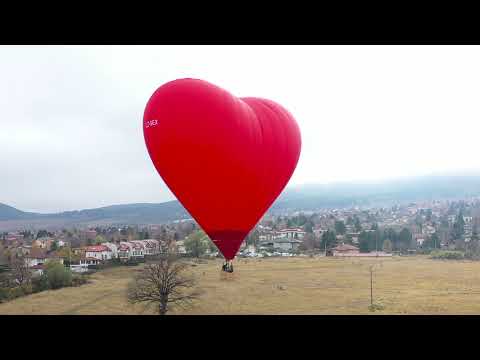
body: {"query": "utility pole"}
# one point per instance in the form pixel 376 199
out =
pixel 326 239
pixel 371 285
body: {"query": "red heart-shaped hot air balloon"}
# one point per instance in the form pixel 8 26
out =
pixel 226 159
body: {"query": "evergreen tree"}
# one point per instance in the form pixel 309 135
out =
pixel 99 239
pixel 301 220
pixel 329 240
pixel 358 226
pixel 405 238
pixel 433 242
pixel 308 227
pixel 41 234
pixel 378 238
pixel 419 222
pixel 340 227
pixel 363 242
pixel 459 227
pixel 54 246
pixel 473 246
pixel 429 215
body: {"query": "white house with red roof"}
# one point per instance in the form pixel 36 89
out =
pixel 151 246
pixel 125 251
pixel 138 249
pixel 100 252
pixel 113 248
pixel 131 250
pixel 84 263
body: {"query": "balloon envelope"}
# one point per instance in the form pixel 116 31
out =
pixel 226 159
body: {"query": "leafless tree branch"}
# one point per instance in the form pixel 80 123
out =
pixel 20 271
pixel 162 283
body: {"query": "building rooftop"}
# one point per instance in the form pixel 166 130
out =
pixel 97 248
pixel 345 247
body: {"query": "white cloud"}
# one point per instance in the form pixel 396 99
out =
pixel 70 117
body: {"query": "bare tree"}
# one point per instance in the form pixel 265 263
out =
pixel 20 271
pixel 163 283
pixel 308 242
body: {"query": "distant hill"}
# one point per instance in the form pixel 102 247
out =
pixel 10 213
pixel 310 197
pixel 11 218
pixel 130 213
pixel 305 197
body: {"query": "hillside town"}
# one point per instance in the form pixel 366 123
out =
pixel 401 229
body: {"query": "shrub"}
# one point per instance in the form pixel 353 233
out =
pixel 40 283
pixel 424 251
pixel 15 292
pixel 27 289
pixel 3 294
pixel 447 255
pixel 18 291
pixel 472 256
pixel 57 275
pixel 109 264
pixel 131 262
pixel 54 277
pixel 376 307
pixel 115 262
pixel 78 280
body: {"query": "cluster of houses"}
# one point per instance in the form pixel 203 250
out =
pixel 289 239
pixel 91 256
pixel 36 258
pixel 125 251
pixel 283 240
pixel 86 258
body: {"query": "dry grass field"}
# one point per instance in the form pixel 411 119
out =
pixel 404 285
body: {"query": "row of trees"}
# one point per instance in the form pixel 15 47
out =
pixel 386 240
pixel 311 242
pixel 355 221
pixel 374 239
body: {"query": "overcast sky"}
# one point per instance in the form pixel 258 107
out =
pixel 71 116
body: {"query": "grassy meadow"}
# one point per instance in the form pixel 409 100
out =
pixel 403 285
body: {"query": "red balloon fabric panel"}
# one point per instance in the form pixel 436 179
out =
pixel 226 159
